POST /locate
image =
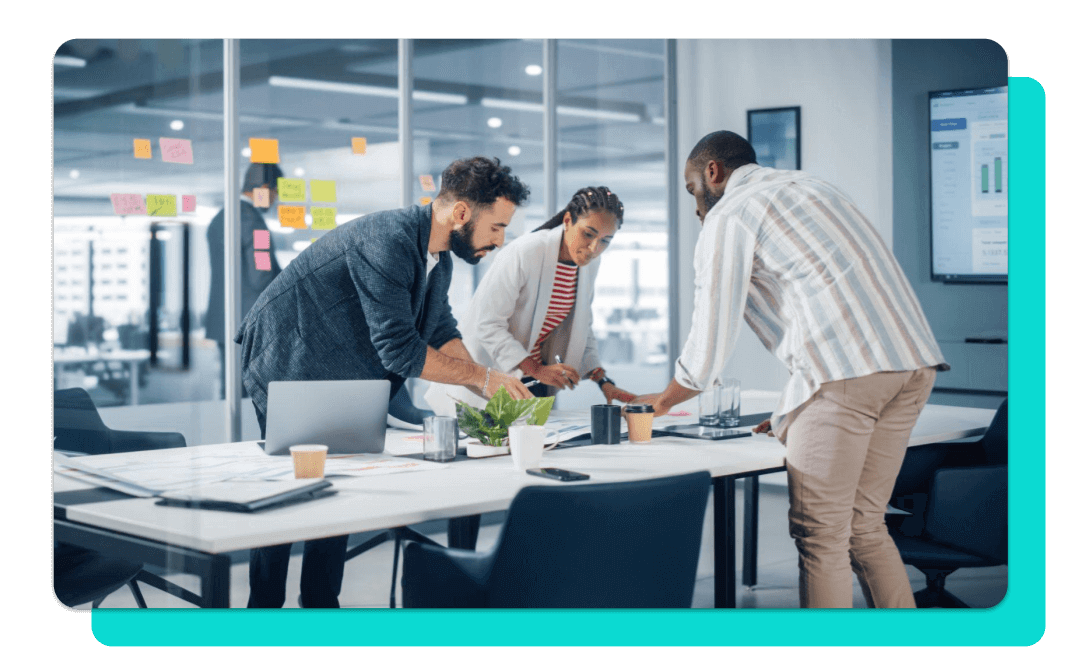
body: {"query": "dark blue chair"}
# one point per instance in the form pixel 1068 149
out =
pixel 958 507
pixel 81 575
pixel 609 545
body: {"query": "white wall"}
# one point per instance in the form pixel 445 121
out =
pixel 843 88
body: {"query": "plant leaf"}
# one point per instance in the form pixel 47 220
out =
pixel 541 408
pixel 502 408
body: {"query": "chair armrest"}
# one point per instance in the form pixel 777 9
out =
pixel 434 576
pixel 921 463
pixel 126 442
pixel 967 510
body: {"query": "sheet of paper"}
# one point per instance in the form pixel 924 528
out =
pixel 360 145
pixel 324 191
pixel 142 148
pixel 128 204
pixel 263 150
pixel 292 216
pixel 324 218
pixel 427 183
pixel 176 150
pixel 262 239
pixel 291 190
pixel 189 203
pixel 262 261
pixel 260 197
pixel 161 205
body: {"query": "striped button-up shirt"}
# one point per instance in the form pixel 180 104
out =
pixel 812 278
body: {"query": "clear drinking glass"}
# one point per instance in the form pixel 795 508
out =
pixel 709 407
pixel 440 438
pixel 728 402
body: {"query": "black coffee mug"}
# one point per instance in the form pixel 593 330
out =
pixel 606 424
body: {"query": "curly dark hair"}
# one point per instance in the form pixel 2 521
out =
pixel 481 181
pixel 725 147
pixel 588 199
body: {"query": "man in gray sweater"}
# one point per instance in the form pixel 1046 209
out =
pixel 368 301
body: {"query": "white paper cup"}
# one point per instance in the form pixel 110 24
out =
pixel 309 459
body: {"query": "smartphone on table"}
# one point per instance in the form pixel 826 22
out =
pixel 558 474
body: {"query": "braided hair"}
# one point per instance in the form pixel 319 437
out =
pixel 585 200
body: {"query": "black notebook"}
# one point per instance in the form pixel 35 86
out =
pixel 247 496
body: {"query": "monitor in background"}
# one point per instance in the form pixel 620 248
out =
pixel 969 185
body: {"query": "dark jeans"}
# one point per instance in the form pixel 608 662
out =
pixel 320 574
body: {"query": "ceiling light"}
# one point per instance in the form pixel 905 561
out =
pixel 299 172
pixel 514 150
pixel 533 70
pixel 495 122
pixel 246 152
pixel 74 174
pixel 500 103
pixel 69 61
pixel 364 90
pixel 176 124
pixel 607 115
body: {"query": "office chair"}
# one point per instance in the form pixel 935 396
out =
pixel 959 517
pixel 610 545
pixel 81 575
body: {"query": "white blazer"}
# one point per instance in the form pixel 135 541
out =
pixel 507 312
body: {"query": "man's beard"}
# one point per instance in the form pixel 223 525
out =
pixel 461 244
pixel 710 200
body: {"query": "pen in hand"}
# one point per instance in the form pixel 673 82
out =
pixel 559 360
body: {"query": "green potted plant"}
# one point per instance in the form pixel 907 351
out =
pixel 489 427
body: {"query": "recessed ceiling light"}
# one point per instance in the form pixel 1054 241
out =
pixel 74 174
pixel 533 70
pixel 176 125
pixel 245 152
pixel 495 122
pixel 514 150
pixel 299 172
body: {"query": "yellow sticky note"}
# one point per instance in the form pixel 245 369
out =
pixel 324 191
pixel 162 205
pixel 291 190
pixel 324 218
pixel 360 145
pixel 292 216
pixel 427 183
pixel 142 148
pixel 263 150
pixel 425 200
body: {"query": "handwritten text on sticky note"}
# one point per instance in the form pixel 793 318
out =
pixel 262 239
pixel 189 203
pixel 263 150
pixel 324 191
pixel 324 218
pixel 161 205
pixel 292 216
pixel 291 190
pixel 262 261
pixel 175 150
pixel 142 148
pixel 260 197
pixel 128 204
pixel 360 145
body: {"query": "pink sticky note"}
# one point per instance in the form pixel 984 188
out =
pixel 189 203
pixel 175 150
pixel 262 240
pixel 128 204
pixel 262 261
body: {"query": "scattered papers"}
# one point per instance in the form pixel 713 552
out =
pixel 360 145
pixel 292 216
pixel 142 148
pixel 263 150
pixel 262 239
pixel 262 261
pixel 324 191
pixel 291 190
pixel 128 204
pixel 161 205
pixel 324 218
pixel 175 150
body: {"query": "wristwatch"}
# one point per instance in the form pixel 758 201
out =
pixel 606 379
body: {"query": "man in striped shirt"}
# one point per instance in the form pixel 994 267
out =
pixel 804 268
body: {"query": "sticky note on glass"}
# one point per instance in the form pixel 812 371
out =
pixel 324 191
pixel 260 197
pixel 360 145
pixel 175 150
pixel 324 218
pixel 262 239
pixel 426 183
pixel 291 190
pixel 162 205
pixel 189 203
pixel 263 150
pixel 128 204
pixel 142 149
pixel 292 216
pixel 262 261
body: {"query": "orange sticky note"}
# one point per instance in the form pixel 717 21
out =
pixel 260 197
pixel 263 150
pixel 142 148
pixel 427 183
pixel 262 261
pixel 360 145
pixel 292 216
pixel 425 200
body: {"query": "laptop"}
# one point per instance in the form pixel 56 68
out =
pixel 347 416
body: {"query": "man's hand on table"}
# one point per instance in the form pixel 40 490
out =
pixel 611 392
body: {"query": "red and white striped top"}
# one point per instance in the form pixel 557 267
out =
pixel 563 291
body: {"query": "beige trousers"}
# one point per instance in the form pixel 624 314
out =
pixel 845 448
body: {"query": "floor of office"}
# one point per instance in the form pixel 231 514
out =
pixel 367 577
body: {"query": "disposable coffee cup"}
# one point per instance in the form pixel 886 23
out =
pixel 639 422
pixel 309 459
pixel 605 424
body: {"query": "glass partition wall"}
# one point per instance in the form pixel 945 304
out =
pixel 132 257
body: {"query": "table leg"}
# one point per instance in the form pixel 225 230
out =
pixel 133 366
pixel 724 542
pixel 750 530
pixel 214 582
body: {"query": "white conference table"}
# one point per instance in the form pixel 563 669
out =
pixel 197 541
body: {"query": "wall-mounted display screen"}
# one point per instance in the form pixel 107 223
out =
pixel 969 185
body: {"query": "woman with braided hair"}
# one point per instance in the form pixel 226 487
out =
pixel 531 315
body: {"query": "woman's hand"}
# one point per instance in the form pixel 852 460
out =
pixel 612 392
pixel 559 376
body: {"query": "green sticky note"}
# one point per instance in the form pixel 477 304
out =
pixel 324 191
pixel 162 205
pixel 291 190
pixel 323 218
